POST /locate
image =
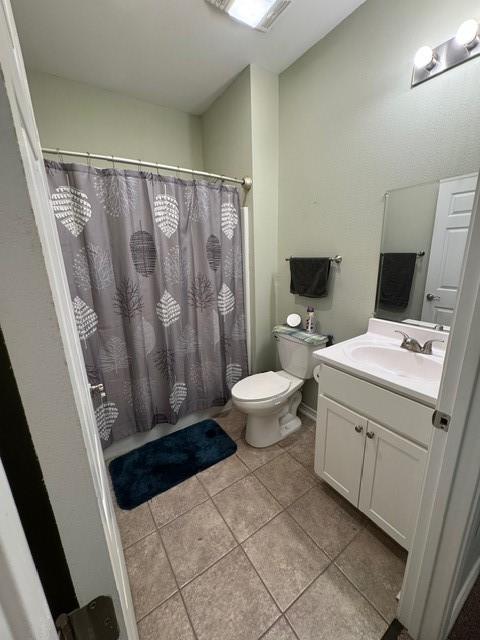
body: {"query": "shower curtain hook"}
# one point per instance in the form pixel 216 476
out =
pixel 89 160
pixel 113 161
pixel 60 155
pixel 139 162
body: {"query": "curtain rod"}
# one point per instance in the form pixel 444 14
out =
pixel 245 182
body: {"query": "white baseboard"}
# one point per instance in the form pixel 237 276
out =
pixel 464 593
pixel 307 411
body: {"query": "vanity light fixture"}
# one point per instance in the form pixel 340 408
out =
pixel 258 14
pixel 467 34
pixel 425 58
pixel 429 63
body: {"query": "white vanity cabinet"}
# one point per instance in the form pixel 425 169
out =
pixel 371 446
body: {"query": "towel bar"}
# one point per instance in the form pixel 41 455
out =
pixel 336 259
pixel 420 254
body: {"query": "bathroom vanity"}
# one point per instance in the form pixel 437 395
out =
pixel 374 422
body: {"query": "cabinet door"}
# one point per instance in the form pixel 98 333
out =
pixel 392 482
pixel 339 447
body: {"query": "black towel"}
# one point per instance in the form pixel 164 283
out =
pixel 309 276
pixel 396 277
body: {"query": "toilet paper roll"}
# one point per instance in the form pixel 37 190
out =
pixel 316 373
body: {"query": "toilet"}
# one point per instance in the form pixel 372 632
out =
pixel 271 399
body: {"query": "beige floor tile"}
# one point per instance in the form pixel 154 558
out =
pixel 286 558
pixel 255 457
pixel 281 630
pixel 168 622
pixel 196 540
pixel 329 519
pixel 332 609
pixel 172 503
pixel 151 579
pixel 233 423
pixel 135 524
pixel 222 474
pixel 286 478
pixel 229 601
pixel 293 438
pixel 304 449
pixel 246 506
pixel 309 423
pixel 375 564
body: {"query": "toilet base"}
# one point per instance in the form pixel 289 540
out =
pixel 265 430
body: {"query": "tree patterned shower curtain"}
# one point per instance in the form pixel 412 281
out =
pixel 155 271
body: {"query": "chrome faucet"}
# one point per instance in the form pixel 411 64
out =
pixel 412 344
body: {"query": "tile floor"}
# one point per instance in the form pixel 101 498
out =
pixel 258 547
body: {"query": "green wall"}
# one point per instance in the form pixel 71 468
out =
pixel 81 117
pixel 264 87
pixel 240 138
pixel 351 129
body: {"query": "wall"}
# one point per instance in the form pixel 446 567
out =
pixel 81 117
pixel 264 87
pixel 408 226
pixel 351 129
pixel 240 138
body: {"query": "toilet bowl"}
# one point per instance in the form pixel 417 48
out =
pixel 271 399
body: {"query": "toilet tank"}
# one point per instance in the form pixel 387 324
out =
pixel 295 352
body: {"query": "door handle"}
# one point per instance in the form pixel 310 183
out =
pixel 370 434
pixel 431 297
pixel 358 428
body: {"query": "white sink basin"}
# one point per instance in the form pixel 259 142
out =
pixel 376 356
pixel 399 361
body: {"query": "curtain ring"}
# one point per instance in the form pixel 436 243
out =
pixel 89 160
pixel 113 161
pixel 139 162
pixel 60 155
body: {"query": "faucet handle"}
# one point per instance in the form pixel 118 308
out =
pixel 427 347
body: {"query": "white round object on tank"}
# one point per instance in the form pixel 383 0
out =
pixel 294 320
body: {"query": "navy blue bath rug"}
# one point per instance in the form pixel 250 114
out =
pixel 143 473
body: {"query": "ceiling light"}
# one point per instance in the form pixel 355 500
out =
pixel 425 58
pixel 250 12
pixel 258 14
pixel 467 34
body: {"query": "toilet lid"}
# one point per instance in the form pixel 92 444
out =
pixel 260 386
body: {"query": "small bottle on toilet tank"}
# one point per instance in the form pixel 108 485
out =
pixel 310 323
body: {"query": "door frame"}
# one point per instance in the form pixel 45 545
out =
pixel 15 78
pixel 450 494
pixel 24 611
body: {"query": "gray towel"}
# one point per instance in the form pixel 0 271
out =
pixel 396 279
pixel 309 276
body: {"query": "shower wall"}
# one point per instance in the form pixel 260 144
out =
pixel 82 117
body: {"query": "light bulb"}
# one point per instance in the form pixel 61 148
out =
pixel 467 34
pixel 425 58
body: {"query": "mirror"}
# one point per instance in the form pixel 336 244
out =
pixel 424 236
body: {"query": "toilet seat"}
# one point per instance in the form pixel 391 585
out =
pixel 260 387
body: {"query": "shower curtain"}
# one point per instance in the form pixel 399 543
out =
pixel 154 266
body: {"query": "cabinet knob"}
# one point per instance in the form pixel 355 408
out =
pixel 358 428
pixel 370 434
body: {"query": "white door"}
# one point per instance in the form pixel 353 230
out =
pixel 339 447
pixel 22 111
pixel 24 611
pixel 452 219
pixel 392 480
